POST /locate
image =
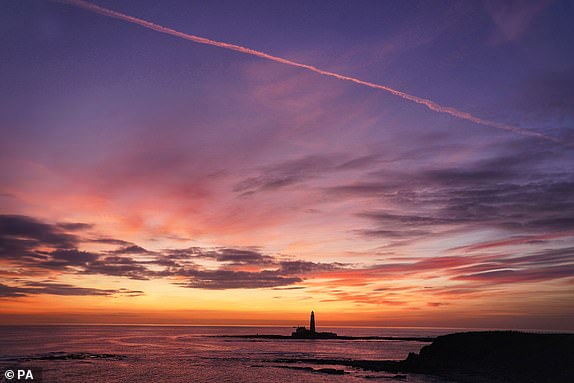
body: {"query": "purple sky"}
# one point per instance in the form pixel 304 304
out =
pixel 136 165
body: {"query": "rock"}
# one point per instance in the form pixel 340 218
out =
pixel 331 371
pixel 485 357
pixel 505 356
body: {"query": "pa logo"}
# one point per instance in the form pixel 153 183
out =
pixel 19 375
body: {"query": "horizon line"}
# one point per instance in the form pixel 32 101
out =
pixel 281 326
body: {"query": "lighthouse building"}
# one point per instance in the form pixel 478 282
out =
pixel 311 333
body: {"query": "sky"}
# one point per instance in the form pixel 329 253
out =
pixel 149 179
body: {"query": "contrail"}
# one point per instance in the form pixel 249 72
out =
pixel 202 40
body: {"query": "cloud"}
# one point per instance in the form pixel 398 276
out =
pixel 74 226
pixel 512 17
pixel 272 272
pixel 222 268
pixel 232 256
pixel 285 174
pixel 26 241
pixel 523 190
pixel 520 276
pixel 26 232
pixel 37 288
pixel 110 241
pixel 63 259
pixel 227 279
pixel 548 98
pixel 289 288
pixel 120 267
pixel 535 266
pixel 131 249
pixel 401 233
pixel 359 162
pixel 370 298
pixel 135 262
pixel 363 189
pixel 299 170
pixel 11 292
pixel 513 241
pixel 462 276
pixel 307 267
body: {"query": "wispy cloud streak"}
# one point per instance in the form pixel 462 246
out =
pixel 419 100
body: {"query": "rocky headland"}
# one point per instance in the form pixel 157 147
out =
pixel 481 357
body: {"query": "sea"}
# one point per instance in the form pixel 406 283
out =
pixel 195 354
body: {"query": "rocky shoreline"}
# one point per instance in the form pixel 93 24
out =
pixel 480 357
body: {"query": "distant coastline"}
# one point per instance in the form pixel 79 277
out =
pixel 311 333
pixel 336 337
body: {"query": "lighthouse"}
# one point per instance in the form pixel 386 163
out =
pixel 312 324
pixel 311 333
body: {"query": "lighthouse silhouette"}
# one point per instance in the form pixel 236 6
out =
pixel 312 323
pixel 302 332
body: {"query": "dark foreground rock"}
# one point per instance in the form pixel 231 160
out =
pixel 370 365
pixel 63 356
pixel 329 371
pixel 481 357
pixel 497 356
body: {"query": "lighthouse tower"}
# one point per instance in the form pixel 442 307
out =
pixel 312 324
pixel 311 333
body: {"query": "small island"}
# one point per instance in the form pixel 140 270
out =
pixel 302 332
pixel 311 333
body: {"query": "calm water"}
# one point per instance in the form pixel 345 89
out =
pixel 192 354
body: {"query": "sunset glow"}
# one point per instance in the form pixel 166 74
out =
pixel 149 179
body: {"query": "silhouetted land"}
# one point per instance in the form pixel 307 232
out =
pixel 482 357
pixel 65 356
pixel 330 371
pixel 338 337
